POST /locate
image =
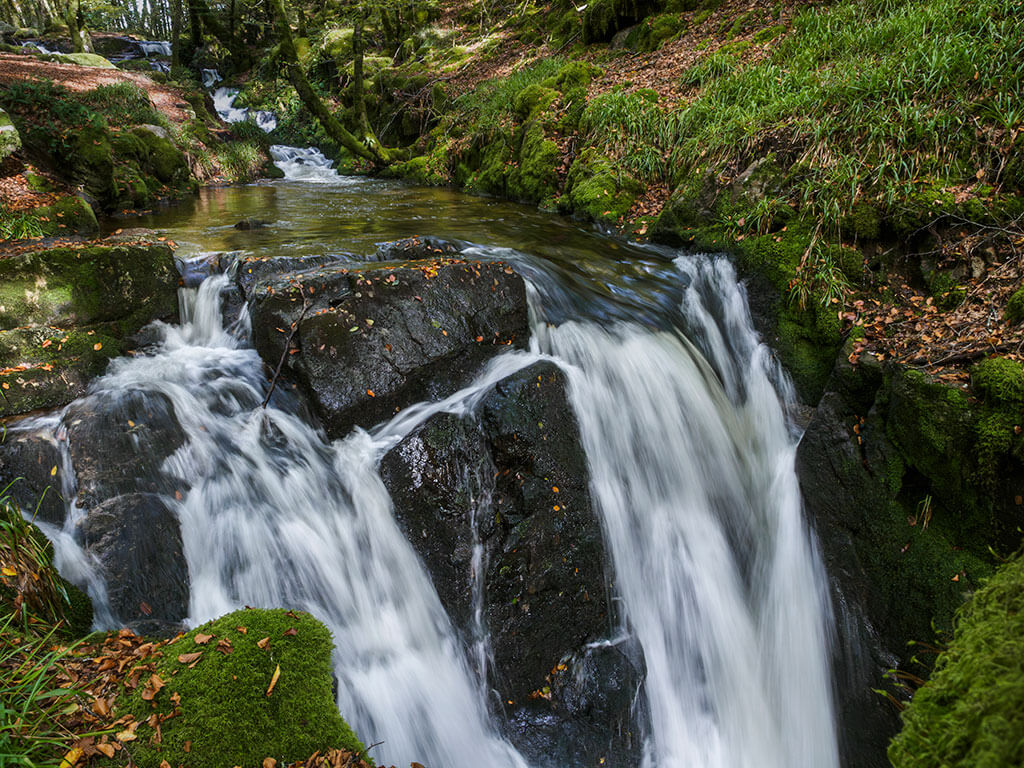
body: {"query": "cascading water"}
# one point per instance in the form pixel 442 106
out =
pixel 692 471
pixel 305 164
pixel 691 465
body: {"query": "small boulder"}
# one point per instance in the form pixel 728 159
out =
pixel 371 339
pixel 137 540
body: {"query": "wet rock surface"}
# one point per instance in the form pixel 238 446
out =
pixel 371 339
pixel 137 540
pixel 512 484
pixel 118 442
pixel 31 468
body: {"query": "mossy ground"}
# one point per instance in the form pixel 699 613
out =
pixel 250 685
pixel 971 711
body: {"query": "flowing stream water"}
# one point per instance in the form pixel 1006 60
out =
pixel 682 413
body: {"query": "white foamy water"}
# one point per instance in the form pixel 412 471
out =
pixel 691 467
pixel 307 164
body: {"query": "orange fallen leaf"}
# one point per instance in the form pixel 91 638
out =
pixel 201 639
pixel 188 658
pixel 97 346
pixel 263 643
pixel 107 749
pixel 273 679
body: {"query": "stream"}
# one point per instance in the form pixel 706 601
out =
pixel 683 420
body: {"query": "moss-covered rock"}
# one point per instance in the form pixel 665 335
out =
pixel 1000 381
pixel 66 311
pixel 970 714
pixel 10 140
pixel 84 60
pixel 124 284
pixel 533 178
pixel 250 685
pixel 598 189
pixel 1015 307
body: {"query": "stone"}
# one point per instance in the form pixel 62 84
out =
pixel 136 538
pixel 118 442
pixel 32 470
pixel 371 339
pixel 10 140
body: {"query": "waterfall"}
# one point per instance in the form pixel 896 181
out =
pixel 692 469
pixel 691 463
pixel 305 164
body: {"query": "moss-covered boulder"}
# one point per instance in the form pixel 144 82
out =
pixel 251 685
pixel 64 312
pixel 84 60
pixel 126 284
pixel 970 714
pixel 10 141
pixel 598 189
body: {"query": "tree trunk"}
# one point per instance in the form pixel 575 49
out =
pixel 195 25
pixel 175 33
pixel 76 26
pixel 370 148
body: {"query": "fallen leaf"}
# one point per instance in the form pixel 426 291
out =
pixel 273 680
pixel 188 658
pixel 291 631
pixel 97 346
pixel 107 749
pixel 201 639
pixel 262 644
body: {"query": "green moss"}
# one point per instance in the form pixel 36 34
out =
pixel 862 223
pixel 1000 381
pixel 225 713
pixel 165 160
pixel 533 99
pixel 532 178
pixel 598 189
pixel 769 33
pixel 1014 312
pixel 970 714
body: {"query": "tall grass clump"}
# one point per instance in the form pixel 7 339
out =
pixel 875 98
pixel 492 102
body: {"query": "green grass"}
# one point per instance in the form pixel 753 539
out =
pixel 878 96
pixel 491 102
pixel 29 698
pixel 15 225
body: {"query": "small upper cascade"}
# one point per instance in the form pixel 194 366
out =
pixel 305 164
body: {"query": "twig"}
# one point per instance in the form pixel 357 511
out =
pixel 965 357
pixel 287 346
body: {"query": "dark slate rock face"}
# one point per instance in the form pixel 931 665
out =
pixel 517 483
pixel 440 478
pixel 32 468
pixel 371 339
pixel 414 248
pixel 118 442
pixel 137 540
pixel 545 575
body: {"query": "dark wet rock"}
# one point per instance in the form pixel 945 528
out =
pixel 32 470
pixel 545 570
pixel 248 224
pixel 590 712
pixel 137 540
pixel 374 338
pixel 416 248
pixel 252 270
pixel 195 270
pixel 118 442
pixel 517 485
pixel 440 478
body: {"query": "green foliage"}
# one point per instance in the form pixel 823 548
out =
pixel 970 714
pixel 241 701
pixel 492 102
pixel 15 225
pixel 123 104
pixel 29 698
pixel 634 128
pixel 1000 381
pixel 32 594
pixel 877 96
